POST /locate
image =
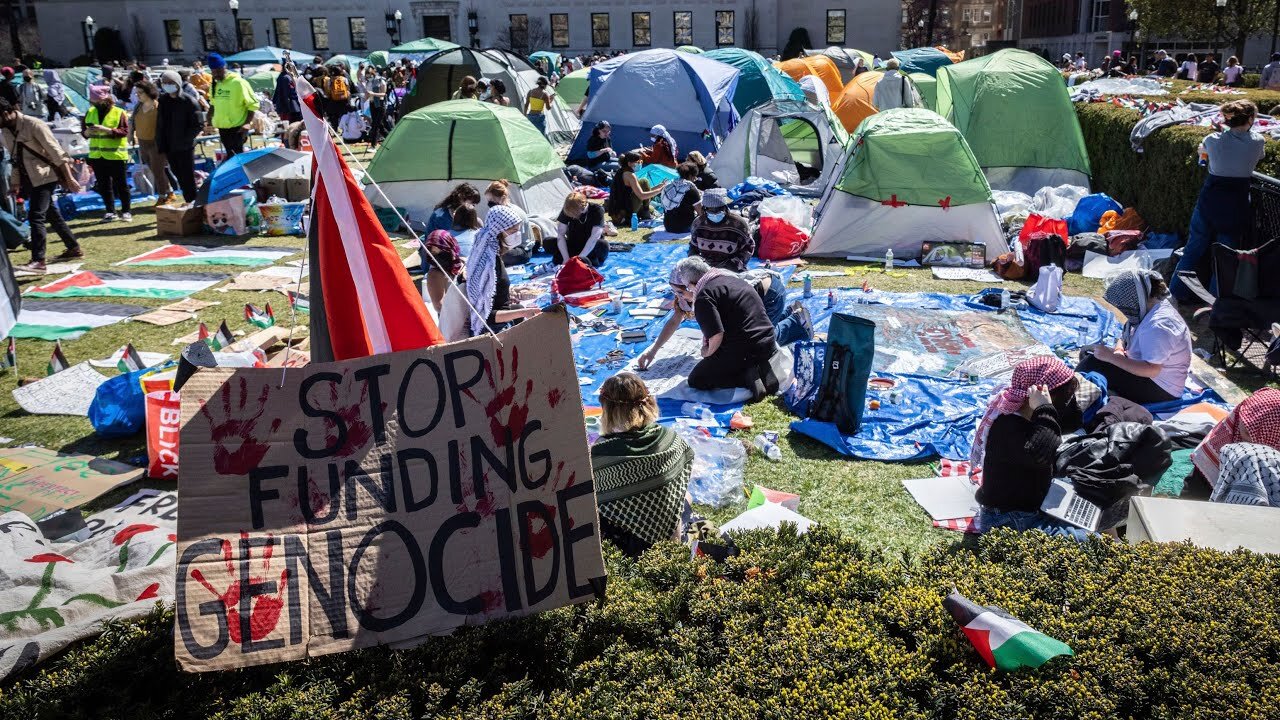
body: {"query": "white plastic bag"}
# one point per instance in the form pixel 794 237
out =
pixel 1058 202
pixel 1047 293
pixel 789 208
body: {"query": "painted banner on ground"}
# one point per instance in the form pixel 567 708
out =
pixel 382 500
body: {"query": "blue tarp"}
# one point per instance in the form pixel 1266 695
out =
pixel 924 60
pixel 690 95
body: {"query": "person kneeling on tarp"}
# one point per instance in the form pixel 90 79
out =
pixel 641 469
pixel 737 337
pixel 1152 363
pixel 1016 445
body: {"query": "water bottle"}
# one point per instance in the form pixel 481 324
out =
pixel 644 286
pixel 699 411
pixel 768 447
pixel 888 260
pixel 808 285
pixel 1004 300
pixel 617 304
pixel 831 299
pixel 635 222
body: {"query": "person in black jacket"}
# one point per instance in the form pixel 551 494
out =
pixel 177 125
pixel 706 179
pixel 1016 445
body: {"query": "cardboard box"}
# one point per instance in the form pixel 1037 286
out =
pixel 297 189
pixel 274 186
pixel 179 221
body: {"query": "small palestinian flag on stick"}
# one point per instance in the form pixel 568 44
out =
pixel 58 360
pixel 1003 640
pixel 130 360
pixel 203 332
pixel 223 338
pixel 259 317
pixel 300 303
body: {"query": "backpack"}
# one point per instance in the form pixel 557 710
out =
pixel 842 396
pixel 339 89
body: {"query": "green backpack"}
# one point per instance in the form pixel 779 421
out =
pixel 842 395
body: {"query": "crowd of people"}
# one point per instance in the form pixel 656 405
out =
pixel 1198 68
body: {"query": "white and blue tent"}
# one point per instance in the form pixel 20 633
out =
pixel 692 96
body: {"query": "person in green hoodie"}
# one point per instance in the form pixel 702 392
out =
pixel 234 104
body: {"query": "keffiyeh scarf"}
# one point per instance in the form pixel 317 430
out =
pixel 1259 419
pixel 641 478
pixel 1043 370
pixel 673 194
pixel 482 276
pixel 712 274
pixel 1250 476
pixel 661 131
pixel 444 241
pixel 1127 291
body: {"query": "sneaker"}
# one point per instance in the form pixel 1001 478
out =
pixel 74 253
pixel 109 217
pixel 806 322
pixel 32 267
pixel 126 217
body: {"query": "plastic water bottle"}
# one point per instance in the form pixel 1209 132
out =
pixel 768 447
pixel 831 299
pixel 644 286
pixel 1004 299
pixel 617 304
pixel 888 260
pixel 635 222
pixel 808 285
pixel 698 411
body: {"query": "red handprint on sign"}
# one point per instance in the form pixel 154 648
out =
pixel 504 398
pixel 358 431
pixel 238 424
pixel 264 613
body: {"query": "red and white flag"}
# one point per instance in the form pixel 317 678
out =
pixel 363 302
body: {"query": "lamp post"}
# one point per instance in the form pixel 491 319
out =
pixel 1220 5
pixel 235 20
pixel 473 26
pixel 919 31
pixel 933 14
pixel 86 27
pixel 1133 32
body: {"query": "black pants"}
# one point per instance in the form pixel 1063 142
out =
pixel 729 368
pixel 596 259
pixel 183 164
pixel 1143 391
pixel 378 120
pixel 53 109
pixel 44 212
pixel 233 139
pixel 109 182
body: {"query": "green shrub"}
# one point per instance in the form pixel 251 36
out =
pixel 796 627
pixel 1251 80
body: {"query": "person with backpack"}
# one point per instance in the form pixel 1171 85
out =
pixel 338 89
pixel 895 90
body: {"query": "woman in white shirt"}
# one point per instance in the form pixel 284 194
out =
pixel 1189 68
pixel 1154 356
pixel 1232 72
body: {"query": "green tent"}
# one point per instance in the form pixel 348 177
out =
pixel 928 87
pixel 573 87
pixel 1013 109
pixel 759 81
pixel 379 58
pixel 79 78
pixel 553 58
pixel 263 81
pixel 425 46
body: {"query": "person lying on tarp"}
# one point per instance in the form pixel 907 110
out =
pixel 790 323
pixel 720 236
pixel 737 338
pixel 1016 445
pixel 1154 356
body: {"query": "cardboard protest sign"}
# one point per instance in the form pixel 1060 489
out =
pixel 37 482
pixel 382 500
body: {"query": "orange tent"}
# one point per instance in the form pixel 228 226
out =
pixel 819 66
pixel 853 104
pixel 955 56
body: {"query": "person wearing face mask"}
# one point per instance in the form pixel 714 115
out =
pixel 107 128
pixel 488 288
pixel 31 97
pixel 178 123
pixel 719 236
pixel 580 232
pixel 234 103
pixel 39 165
pixel 663 151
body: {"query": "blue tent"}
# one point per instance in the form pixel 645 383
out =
pixel 269 54
pixel 244 169
pixel 759 81
pixel 690 95
pixel 923 60
pixel 550 57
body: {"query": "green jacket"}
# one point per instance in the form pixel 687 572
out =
pixel 234 102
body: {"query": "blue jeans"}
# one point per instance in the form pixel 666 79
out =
pixel 1200 238
pixel 539 121
pixel 1022 520
pixel 787 327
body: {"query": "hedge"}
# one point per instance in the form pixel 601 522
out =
pixel 796 627
pixel 1163 181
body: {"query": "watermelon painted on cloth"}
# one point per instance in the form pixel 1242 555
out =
pixel 1003 641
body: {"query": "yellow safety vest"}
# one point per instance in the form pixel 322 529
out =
pixel 107 148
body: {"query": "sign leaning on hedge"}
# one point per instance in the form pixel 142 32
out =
pixel 382 500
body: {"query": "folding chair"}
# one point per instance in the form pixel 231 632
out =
pixel 1241 315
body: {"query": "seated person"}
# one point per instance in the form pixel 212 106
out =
pixel 628 195
pixel 680 200
pixel 1256 420
pixel 720 236
pixel 466 221
pixel 641 468
pixel 706 179
pixel 789 323
pixel 737 337
pixel 580 232
pixel 663 151
pixel 600 153
pixel 444 266
pixel 441 217
pixel 1250 475
pixel 488 288
pixel 1016 445
pixel 1154 356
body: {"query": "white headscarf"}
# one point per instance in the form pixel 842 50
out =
pixel 661 131
pixel 482 276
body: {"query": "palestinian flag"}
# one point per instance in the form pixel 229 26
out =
pixel 223 338
pixel 10 296
pixel 1003 640
pixel 300 303
pixel 203 332
pixel 259 317
pixel 195 255
pixel 130 360
pixel 68 320
pixel 58 360
pixel 97 283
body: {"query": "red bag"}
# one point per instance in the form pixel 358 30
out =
pixel 575 276
pixel 1038 225
pixel 780 240
pixel 164 422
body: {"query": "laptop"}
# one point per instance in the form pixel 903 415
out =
pixel 1065 504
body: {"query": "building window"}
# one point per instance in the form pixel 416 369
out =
pixel 684 27
pixel 359 33
pixel 724 27
pixel 284 38
pixel 519 32
pixel 1101 15
pixel 967 15
pixel 173 34
pixel 559 30
pixel 600 30
pixel 246 34
pixel 986 15
pixel 640 35
pixel 209 35
pixel 320 33
pixel 835 27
